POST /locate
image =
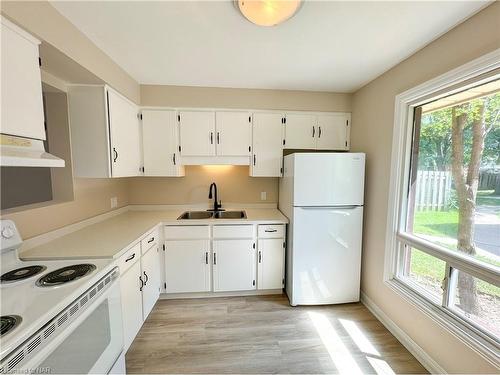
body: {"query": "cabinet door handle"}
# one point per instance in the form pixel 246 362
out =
pixel 206 257
pixel 130 258
pixel 211 138
pixel 142 283
pixel 147 278
pixel 270 230
pixel 215 258
pixel 174 158
pixel 218 138
pixel 260 256
pixel 314 131
pixel 151 239
pixel 253 159
pixel 319 131
pixel 115 155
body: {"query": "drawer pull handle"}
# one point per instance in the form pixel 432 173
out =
pixel 151 239
pixel 130 258
pixel 271 230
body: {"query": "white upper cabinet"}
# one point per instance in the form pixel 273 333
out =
pixel 197 133
pixel 333 131
pixel 125 136
pixel 267 144
pixel 322 131
pixel 233 133
pixel 22 108
pixel 105 133
pixel 160 143
pixel 300 131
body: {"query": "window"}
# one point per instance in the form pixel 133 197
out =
pixel 444 223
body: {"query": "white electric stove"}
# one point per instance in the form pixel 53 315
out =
pixel 59 316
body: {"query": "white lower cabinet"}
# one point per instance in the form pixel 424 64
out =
pixel 151 279
pixel 271 263
pixel 131 293
pixel 234 265
pixel 187 266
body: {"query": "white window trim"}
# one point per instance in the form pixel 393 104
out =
pixel 455 79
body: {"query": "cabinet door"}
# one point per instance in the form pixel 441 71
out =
pixel 233 133
pixel 233 265
pixel 267 145
pixel 197 133
pixel 271 263
pixel 160 143
pixel 131 297
pixel 22 109
pixel 333 131
pixel 150 263
pixel 187 266
pixel 125 136
pixel 300 131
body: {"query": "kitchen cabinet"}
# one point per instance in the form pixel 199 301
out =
pixel 300 131
pixel 333 131
pixel 151 278
pixel 105 133
pixel 270 263
pixel 160 143
pixel 197 133
pixel 233 133
pixel 325 131
pixel 234 265
pixel 131 297
pixel 267 145
pixel 187 265
pixel 21 84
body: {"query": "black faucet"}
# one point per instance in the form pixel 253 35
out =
pixel 217 204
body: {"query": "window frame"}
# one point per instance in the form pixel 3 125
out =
pixel 481 70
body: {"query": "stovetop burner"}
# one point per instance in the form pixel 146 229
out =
pixel 65 274
pixel 21 273
pixel 8 323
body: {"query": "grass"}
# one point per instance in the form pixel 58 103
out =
pixel 487 198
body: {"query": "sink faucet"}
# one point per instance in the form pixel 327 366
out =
pixel 217 204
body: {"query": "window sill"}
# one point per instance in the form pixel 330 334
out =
pixel 466 333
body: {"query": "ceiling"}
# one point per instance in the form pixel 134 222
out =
pixel 326 46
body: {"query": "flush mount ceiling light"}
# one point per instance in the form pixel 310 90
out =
pixel 268 12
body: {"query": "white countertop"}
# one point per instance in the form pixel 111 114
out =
pixel 110 237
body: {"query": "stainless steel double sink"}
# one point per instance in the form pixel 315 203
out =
pixel 199 215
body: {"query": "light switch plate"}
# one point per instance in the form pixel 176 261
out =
pixel 114 202
pixel 263 195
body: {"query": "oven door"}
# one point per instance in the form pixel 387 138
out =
pixel 91 343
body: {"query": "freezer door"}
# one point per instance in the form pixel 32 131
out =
pixel 329 179
pixel 326 255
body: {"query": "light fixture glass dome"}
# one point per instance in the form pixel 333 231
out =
pixel 268 12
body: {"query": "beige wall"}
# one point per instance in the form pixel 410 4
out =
pixel 373 115
pixel 44 21
pixel 186 96
pixel 233 185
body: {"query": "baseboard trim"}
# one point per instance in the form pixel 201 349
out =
pixel 221 294
pixel 423 357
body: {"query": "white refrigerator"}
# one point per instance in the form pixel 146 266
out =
pixel 322 196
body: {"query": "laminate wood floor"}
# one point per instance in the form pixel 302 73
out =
pixel 264 334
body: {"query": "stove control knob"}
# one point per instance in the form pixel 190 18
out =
pixel 7 232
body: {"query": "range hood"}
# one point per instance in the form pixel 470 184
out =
pixel 26 152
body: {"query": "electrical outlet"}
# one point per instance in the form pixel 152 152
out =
pixel 263 195
pixel 114 202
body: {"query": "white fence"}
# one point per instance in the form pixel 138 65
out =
pixel 433 190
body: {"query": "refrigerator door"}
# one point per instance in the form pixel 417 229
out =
pixel 326 255
pixel 329 179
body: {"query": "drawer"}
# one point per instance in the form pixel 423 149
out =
pixel 150 240
pixel 233 231
pixel 186 232
pixel 129 258
pixel 272 231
